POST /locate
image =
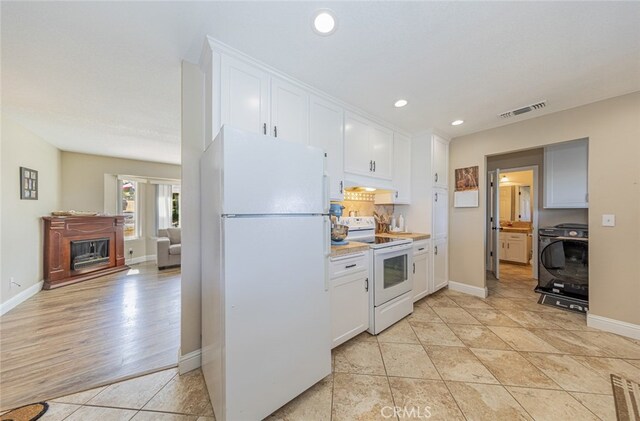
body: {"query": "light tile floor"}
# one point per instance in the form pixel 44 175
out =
pixel 456 357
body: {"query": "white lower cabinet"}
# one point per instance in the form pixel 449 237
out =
pixel 421 269
pixel 514 247
pixel 349 296
pixel 440 268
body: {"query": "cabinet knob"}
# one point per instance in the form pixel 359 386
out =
pixel 366 284
pixel 436 197
pixel 374 166
pixel 370 166
pixel 396 195
pixel 264 128
pixel 275 131
pixel 341 187
pixel 435 250
pixel 414 268
pixel 436 177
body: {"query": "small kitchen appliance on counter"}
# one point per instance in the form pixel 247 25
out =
pixel 338 231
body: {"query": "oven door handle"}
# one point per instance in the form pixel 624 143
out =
pixel 393 249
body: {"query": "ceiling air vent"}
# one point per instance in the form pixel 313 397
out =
pixel 522 110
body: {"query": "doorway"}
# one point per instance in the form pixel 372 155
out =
pixel 512 221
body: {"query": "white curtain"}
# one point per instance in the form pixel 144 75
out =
pixel 164 207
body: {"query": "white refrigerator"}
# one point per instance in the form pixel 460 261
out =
pixel 265 296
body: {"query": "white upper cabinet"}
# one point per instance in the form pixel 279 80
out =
pixel 566 175
pixel 357 157
pixel 244 101
pixel 402 168
pixel 368 148
pixel 326 131
pixel 440 161
pixel 289 112
pixel 381 144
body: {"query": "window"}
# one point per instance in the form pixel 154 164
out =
pixel 130 209
pixel 167 206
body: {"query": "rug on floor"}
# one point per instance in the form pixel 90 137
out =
pixel 626 395
pixel 26 413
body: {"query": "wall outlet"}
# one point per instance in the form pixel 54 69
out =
pixel 608 220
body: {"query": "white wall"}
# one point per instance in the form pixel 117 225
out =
pixel 22 228
pixel 613 129
pixel 84 188
pixel 192 147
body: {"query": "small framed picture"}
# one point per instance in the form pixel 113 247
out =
pixel 28 184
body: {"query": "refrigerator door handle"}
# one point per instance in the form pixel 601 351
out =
pixel 327 250
pixel 325 185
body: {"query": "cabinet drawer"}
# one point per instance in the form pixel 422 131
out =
pixel 346 265
pixel 421 247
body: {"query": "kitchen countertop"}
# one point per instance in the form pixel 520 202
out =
pixel 515 230
pixel 352 247
pixel 415 236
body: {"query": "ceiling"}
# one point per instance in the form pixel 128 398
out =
pixel 104 77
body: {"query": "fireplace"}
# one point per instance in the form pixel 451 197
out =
pixel 88 253
pixel 77 248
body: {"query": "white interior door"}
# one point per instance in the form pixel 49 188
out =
pixel 495 227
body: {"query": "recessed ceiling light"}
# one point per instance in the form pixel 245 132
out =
pixel 401 103
pixel 457 122
pixel 324 22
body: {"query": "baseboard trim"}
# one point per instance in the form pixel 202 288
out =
pixel 190 361
pixel 469 289
pixel 629 330
pixel 141 259
pixel 20 297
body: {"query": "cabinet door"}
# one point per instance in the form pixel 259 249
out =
pixel 402 168
pixel 349 307
pixel 440 161
pixel 516 251
pixel 244 101
pixel 440 213
pixel 420 275
pixel 381 147
pixel 357 157
pixel 326 131
pixel 566 174
pixel 440 264
pixel 289 112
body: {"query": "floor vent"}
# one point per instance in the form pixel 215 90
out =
pixel 522 110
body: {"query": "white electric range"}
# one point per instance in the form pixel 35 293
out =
pixel 392 297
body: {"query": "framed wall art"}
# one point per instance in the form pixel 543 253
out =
pixel 467 186
pixel 28 184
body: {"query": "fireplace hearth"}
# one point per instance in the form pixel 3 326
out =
pixel 77 248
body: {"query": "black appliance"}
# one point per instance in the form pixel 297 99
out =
pixel 563 261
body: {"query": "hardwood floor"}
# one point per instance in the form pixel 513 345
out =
pixel 82 336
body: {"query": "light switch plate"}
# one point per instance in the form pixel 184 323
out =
pixel 608 220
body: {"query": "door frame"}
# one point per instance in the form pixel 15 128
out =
pixel 493 199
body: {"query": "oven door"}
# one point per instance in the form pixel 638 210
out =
pixel 392 276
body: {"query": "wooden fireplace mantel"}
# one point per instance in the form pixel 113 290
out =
pixel 60 231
